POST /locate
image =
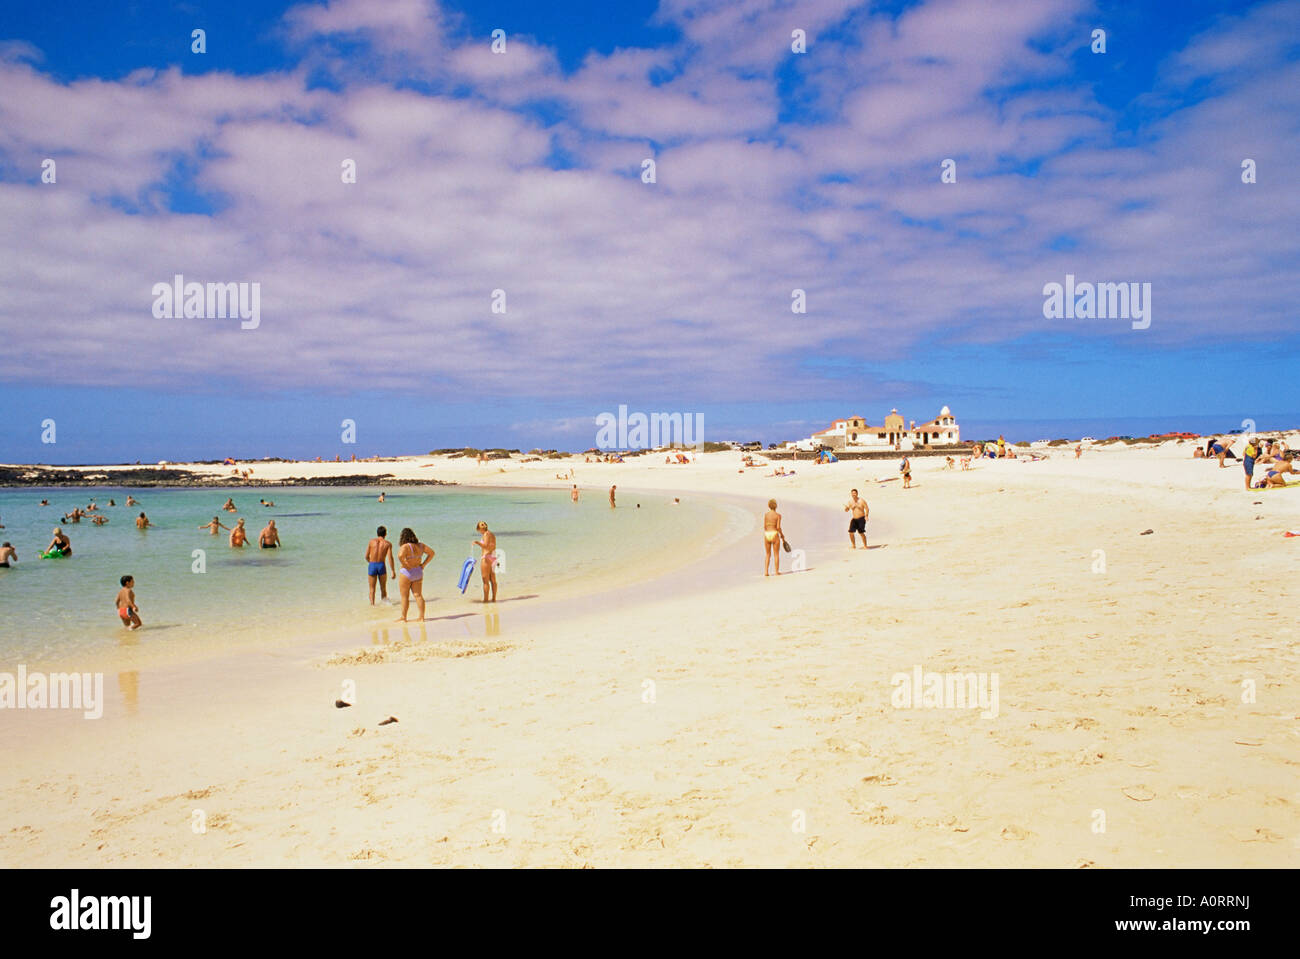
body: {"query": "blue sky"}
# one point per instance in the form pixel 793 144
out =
pixel 521 172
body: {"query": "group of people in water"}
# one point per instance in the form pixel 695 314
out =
pixel 406 564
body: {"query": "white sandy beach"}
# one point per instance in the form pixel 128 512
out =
pixel 745 720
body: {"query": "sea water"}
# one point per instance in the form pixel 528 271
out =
pixel 196 593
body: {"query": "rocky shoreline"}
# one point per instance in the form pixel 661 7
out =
pixel 152 476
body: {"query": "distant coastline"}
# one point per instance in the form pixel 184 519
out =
pixel 17 477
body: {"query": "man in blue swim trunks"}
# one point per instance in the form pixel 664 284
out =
pixel 378 552
pixel 1219 449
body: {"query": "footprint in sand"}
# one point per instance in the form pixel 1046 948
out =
pixel 1138 793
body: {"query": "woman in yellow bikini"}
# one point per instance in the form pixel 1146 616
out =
pixel 771 537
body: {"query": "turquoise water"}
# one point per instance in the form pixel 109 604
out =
pixel 61 609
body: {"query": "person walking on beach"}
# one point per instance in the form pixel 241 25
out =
pixel 771 537
pixel 413 556
pixel 269 538
pixel 215 525
pixel 379 551
pixel 142 522
pixel 906 468
pixel 127 610
pixel 487 542
pixel 239 535
pixel 858 518
pixel 611 496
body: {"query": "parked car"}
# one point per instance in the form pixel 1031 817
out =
pixel 1087 439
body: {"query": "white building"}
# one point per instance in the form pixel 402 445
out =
pixel 853 432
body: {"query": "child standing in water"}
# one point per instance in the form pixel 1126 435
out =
pixel 125 603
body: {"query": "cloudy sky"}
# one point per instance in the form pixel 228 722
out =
pixel 521 171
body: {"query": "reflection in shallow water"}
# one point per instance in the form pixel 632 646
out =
pixel 128 682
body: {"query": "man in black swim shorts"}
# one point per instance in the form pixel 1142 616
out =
pixel 857 508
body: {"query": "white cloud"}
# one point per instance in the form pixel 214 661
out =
pixel 614 285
